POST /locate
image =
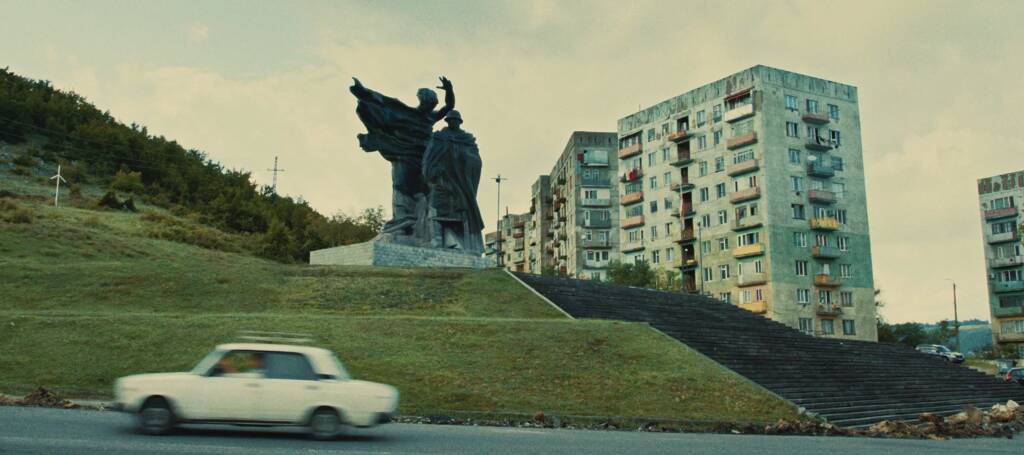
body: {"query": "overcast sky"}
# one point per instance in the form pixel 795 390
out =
pixel 939 82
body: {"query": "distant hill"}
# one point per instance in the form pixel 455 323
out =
pixel 975 335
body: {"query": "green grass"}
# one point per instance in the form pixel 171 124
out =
pixel 88 296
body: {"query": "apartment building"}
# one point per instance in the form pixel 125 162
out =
pixel 584 230
pixel 750 189
pixel 538 256
pixel 507 245
pixel 1000 198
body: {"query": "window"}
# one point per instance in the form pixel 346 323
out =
pixel 758 266
pixel 666 179
pixel 843 243
pixel 654 206
pixel 742 128
pixel 284 365
pixel 1002 203
pixel 834 137
pixel 650 135
pixel 825 297
pixel 833 112
pixel 848 327
pixel 656 257
pixel 812 132
pixel 723 272
pixel 719 164
pixel 841 216
pixel 800 239
pixel 803 296
pixel 821 240
pixel 837 163
pixel 664 152
pixel 791 102
pixel 791 129
pixel 827 327
pixel 651 159
pixel 702 168
pixel 590 194
pixel 745 155
pixel 653 182
pixel 700 119
pixel 668 226
pixel 720 190
pixel 723 216
pixel 708 274
pixel 705 247
pixel 1002 227
pixel 705 220
pixel 797 183
pixel 636 235
pixel 846 298
pixel 664 128
pixel 717 137
pixel 801 268
pixel 749 238
pixel 725 297
pixel 590 255
pixel 716 112
pixel 794 156
pixel 798 211
pixel 723 244
pixel 669 253
pixel 812 106
pixel 668 203
pixel 839 189
pixel 844 270
pixel 702 143
pixel 806 325
pixel 703 192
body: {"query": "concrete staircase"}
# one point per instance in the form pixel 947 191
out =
pixel 849 383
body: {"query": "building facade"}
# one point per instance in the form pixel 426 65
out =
pixel 507 245
pixel 584 224
pixel 999 198
pixel 750 189
pixel 538 256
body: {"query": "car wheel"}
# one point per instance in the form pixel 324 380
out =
pixel 156 417
pixel 325 424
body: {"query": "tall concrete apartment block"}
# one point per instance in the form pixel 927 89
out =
pixel 751 189
pixel 1000 198
pixel 583 233
pixel 507 245
pixel 538 255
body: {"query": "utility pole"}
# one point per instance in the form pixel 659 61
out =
pixel 275 170
pixel 56 194
pixel 956 317
pixel 497 238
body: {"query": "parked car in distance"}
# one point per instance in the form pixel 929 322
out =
pixel 264 384
pixel 941 351
pixel 1015 375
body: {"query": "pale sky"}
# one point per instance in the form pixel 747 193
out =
pixel 939 86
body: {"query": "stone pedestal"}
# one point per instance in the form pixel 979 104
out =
pixel 385 254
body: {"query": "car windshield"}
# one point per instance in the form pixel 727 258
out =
pixel 343 374
pixel 942 349
pixel 211 359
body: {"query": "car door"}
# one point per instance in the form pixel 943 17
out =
pixel 290 389
pixel 231 388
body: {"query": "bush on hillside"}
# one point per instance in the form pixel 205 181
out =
pixel 24 159
pixel 127 182
pixel 165 227
pixel 12 212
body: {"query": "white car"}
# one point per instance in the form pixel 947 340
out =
pixel 258 384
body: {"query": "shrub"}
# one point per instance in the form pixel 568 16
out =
pixel 24 159
pixel 128 182
pixel 21 170
pixel 13 212
pixel 165 227
pixel 75 190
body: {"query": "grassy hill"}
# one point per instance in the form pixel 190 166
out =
pixel 87 296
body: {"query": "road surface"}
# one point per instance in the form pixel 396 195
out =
pixel 47 431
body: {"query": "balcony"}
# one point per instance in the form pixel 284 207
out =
pixel 518 234
pixel 742 167
pixel 739 112
pixel 686 209
pixel 632 150
pixel 826 281
pixel 594 243
pixel 740 141
pixel 519 245
pixel 821 196
pixel 825 252
pixel 816 118
pixel 1000 213
pixel 817 169
pixel 1008 286
pixel 631 198
pixel 755 249
pixel 629 247
pixel 1010 236
pixel 828 309
pixel 632 222
pixel 593 179
pixel 817 143
pixel 685 185
pixel 747 222
pixel 682 159
pixel 998 263
pixel 745 195
pixel 631 175
pixel 1009 337
pixel 824 224
pixel 597 223
pixel 679 136
pixel 759 307
pixel 751 279
pixel 598 202
pixel 686 236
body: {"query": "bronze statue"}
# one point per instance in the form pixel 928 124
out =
pixel 451 168
pixel 434 176
pixel 400 133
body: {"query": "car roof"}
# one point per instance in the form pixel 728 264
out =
pixel 272 347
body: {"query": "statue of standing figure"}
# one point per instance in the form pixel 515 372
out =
pixel 433 191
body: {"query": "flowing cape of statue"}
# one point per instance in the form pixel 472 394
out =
pixel 397 131
pixel 452 157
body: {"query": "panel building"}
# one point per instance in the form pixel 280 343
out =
pixel 750 189
pixel 507 245
pixel 1000 197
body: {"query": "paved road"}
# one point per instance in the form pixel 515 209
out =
pixel 46 431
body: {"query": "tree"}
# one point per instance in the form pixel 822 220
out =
pixel 127 182
pixel 637 274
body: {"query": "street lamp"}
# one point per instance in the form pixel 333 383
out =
pixel 956 318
